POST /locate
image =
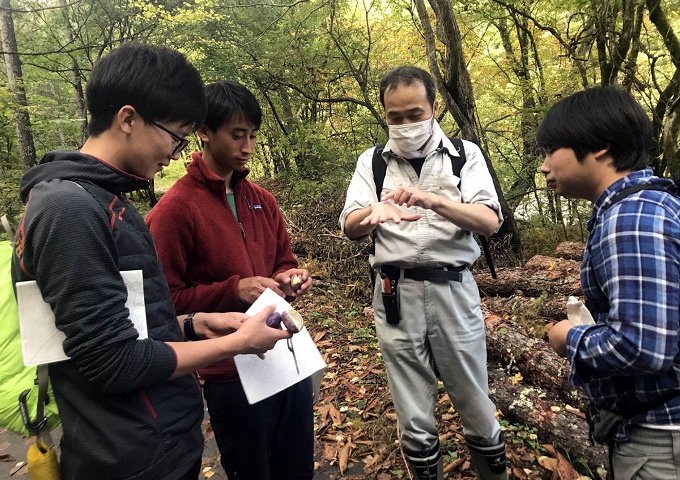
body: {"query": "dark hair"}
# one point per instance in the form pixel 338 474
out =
pixel 228 99
pixel 406 75
pixel 595 119
pixel 158 82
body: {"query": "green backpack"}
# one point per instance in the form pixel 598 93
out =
pixel 16 380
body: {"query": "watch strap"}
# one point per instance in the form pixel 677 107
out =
pixel 189 331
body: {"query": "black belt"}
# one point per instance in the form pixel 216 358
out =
pixel 425 273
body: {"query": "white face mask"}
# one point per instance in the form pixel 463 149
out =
pixel 410 137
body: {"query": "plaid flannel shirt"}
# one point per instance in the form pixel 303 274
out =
pixel 631 355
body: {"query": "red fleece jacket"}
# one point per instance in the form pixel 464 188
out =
pixel 205 251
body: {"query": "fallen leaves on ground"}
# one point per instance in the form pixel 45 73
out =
pixel 356 426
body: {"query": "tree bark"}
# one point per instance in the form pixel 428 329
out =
pixel 22 121
pixel 535 360
pixel 528 284
pixel 555 423
pixel 552 308
pixel 571 250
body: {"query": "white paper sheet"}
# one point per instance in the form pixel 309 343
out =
pixel 262 378
pixel 42 342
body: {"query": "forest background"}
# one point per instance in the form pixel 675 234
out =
pixel 315 66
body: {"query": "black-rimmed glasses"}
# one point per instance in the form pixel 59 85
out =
pixel 181 142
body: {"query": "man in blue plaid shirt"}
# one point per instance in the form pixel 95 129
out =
pixel 628 362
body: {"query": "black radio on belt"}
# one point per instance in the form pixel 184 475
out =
pixel 390 299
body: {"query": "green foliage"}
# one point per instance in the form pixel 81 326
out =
pixel 449 456
pixel 10 202
pixel 543 239
pixel 519 434
pixel 315 67
pixel 529 320
pixel 9 157
pixel 582 467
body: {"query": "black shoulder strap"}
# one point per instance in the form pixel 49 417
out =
pixel 379 169
pixel 457 162
pixel 636 188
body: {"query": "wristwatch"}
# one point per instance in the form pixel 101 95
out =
pixel 189 331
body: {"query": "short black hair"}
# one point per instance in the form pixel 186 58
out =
pixel 406 75
pixel 228 99
pixel 599 118
pixel 158 82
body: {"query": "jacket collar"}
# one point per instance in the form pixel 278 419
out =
pixel 200 171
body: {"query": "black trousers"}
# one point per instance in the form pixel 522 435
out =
pixel 193 472
pixel 270 440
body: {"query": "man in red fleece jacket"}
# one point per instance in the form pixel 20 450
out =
pixel 222 241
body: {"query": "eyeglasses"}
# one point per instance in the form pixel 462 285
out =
pixel 181 142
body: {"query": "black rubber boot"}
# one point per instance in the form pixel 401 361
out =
pixel 488 461
pixel 426 465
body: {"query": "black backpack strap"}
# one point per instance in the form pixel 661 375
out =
pixel 379 171
pixel 487 255
pixel 636 188
pixel 457 162
pixel 457 166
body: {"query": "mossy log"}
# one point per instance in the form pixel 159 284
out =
pixel 555 423
pixel 548 308
pixel 527 283
pixel 532 358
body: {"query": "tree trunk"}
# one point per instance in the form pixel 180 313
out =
pixel 529 154
pixel 456 89
pixel 670 96
pixel 22 121
pixel 613 43
pixel 76 81
pixel 669 143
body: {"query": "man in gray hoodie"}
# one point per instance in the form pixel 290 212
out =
pixel 131 409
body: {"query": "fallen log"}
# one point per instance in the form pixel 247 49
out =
pixel 533 358
pixel 554 422
pixel 554 265
pixel 552 308
pixel 571 250
pixel 513 281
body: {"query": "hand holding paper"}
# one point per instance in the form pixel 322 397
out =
pixel 264 378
